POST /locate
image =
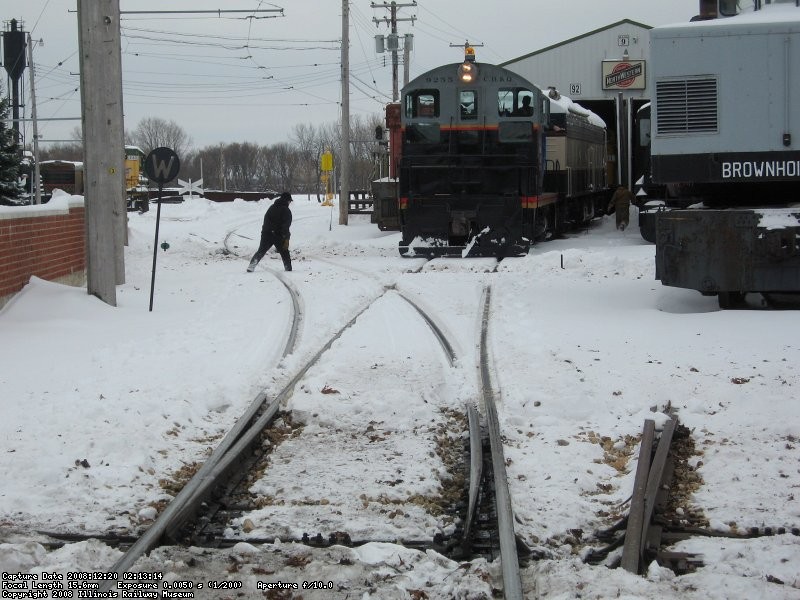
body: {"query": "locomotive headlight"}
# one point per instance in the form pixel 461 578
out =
pixel 468 72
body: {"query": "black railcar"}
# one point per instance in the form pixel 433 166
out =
pixel 725 145
pixel 474 174
pixel 61 174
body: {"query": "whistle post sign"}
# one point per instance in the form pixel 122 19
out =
pixel 162 165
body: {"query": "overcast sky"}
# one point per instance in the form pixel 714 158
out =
pixel 231 78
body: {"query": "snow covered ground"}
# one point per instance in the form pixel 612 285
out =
pixel 101 405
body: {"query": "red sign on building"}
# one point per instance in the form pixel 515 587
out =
pixel 624 75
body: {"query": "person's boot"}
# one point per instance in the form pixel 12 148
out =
pixel 252 266
pixel 287 266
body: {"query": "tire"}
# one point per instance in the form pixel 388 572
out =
pixel 728 300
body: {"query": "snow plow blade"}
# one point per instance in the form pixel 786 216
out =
pixel 434 250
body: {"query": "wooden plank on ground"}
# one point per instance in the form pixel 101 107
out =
pixel 631 549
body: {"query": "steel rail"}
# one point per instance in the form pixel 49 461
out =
pixel 186 502
pixel 294 330
pixel 150 539
pixel 227 463
pixel 512 583
pixel 443 341
pixel 475 471
pixel 241 437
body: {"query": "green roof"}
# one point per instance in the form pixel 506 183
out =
pixel 575 39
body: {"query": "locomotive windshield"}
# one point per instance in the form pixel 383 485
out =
pixel 514 102
pixel 468 104
pixel 422 104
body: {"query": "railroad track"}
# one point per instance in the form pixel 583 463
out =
pixel 215 494
pixel 495 487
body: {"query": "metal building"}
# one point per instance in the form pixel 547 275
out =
pixel 604 70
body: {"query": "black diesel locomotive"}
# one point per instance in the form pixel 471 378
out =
pixel 488 162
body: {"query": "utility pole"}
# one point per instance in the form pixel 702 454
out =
pixel 393 43
pixel 35 183
pixel 344 159
pixel 103 146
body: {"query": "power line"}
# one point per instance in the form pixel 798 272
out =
pixel 39 18
pixel 171 34
pixel 187 12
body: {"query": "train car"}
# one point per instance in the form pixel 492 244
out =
pixel 724 143
pixel 575 165
pixel 136 192
pixel 472 156
pixel 61 174
pixel 134 157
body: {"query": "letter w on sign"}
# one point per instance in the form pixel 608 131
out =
pixel 162 165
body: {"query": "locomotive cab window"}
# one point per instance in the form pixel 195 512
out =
pixel 422 104
pixel 515 102
pixel 468 105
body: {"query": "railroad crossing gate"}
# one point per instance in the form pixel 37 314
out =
pixel 192 188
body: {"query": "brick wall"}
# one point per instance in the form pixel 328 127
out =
pixel 48 241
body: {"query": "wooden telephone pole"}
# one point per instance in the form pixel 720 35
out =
pixel 103 146
pixel 393 43
pixel 344 159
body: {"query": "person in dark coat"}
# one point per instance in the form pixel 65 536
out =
pixel 275 232
pixel 621 204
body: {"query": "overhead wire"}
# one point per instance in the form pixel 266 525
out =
pixel 245 49
pixel 451 31
pixel 359 21
pixel 43 73
pixel 250 73
pixel 300 83
pixel 39 18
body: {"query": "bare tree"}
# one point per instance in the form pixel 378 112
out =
pixel 153 132
pixel 283 162
pixel 309 149
pixel 67 150
pixel 292 166
pixel 202 164
pixel 363 151
pixel 244 166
